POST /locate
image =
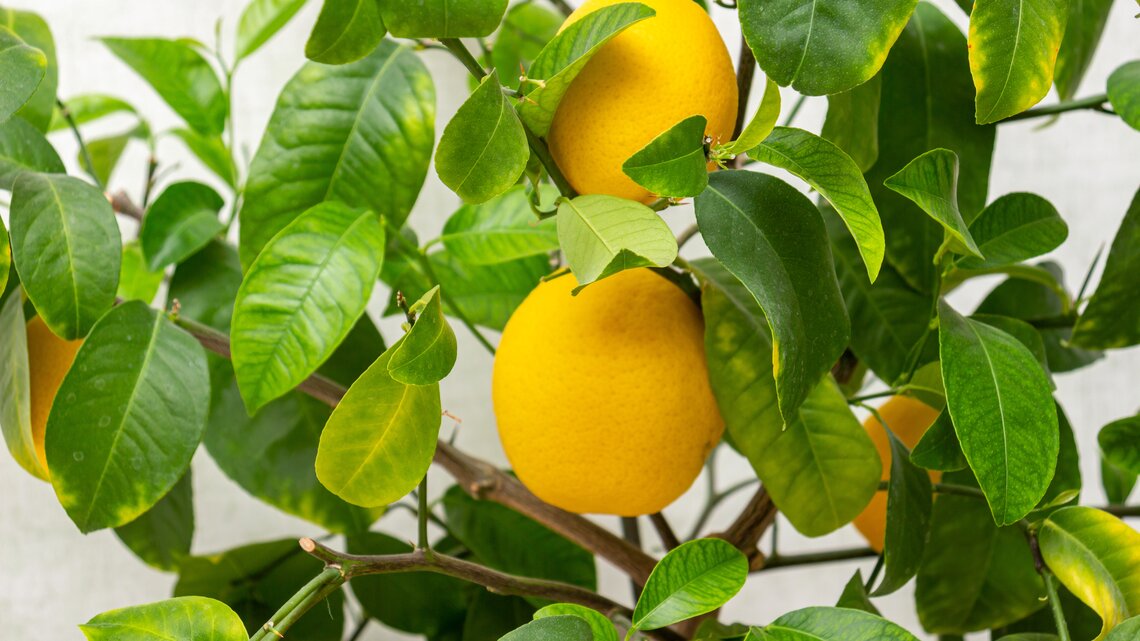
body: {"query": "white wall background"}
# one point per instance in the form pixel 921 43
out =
pixel 52 577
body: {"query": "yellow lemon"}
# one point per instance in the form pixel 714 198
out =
pixel 603 399
pixel 646 79
pixel 909 419
pixel 49 359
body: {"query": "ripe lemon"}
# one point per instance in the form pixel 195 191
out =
pixel 603 400
pixel 909 419
pixel 49 358
pixel 646 79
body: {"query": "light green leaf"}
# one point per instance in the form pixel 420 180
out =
pixel 346 31
pixel 428 351
pixel 1082 35
pixel 15 390
pixel 301 297
pixel 830 624
pixel 317 148
pixel 526 29
pixel 772 238
pixel 5 257
pixel 181 618
pixel 210 150
pixel 931 182
pixel 603 235
pixel 32 29
pixel 1066 484
pixel 134 412
pixel 66 247
pixel 22 68
pixel 89 107
pixel 1014 228
pixel 1013 47
pixel 161 537
pixel 1112 318
pixel 500 230
pixel 555 628
pixel 673 165
pixel 1120 443
pixel 442 18
pixel 855 597
pixel 105 154
pixel 180 222
pixel 760 126
pixel 939 449
pixel 692 579
pixel 602 629
pixel 180 75
pixel 484 149
pixel 1129 629
pixel 1124 92
pixel 136 281
pixel 23 148
pixel 260 20
pixel 909 501
pixel 853 122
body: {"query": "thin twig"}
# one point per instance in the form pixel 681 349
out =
pixel 88 165
pixel 746 531
pixel 664 530
pixel 745 72
pixel 1095 103
pixel 631 531
pixel 688 234
pixel 812 558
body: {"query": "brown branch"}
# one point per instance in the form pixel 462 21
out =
pixel 123 204
pixel 745 72
pixel 664 530
pixel 746 531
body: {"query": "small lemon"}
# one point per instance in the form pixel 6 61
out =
pixel 49 359
pixel 603 399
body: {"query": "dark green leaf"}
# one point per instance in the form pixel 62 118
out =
pixel 1082 622
pixel 1066 484
pixel 499 230
pixel 180 222
pixel 183 618
pixel 32 29
pixel 161 536
pixel 346 31
pixel 938 449
pixel 1014 228
pixel 761 125
pixel 442 18
pixel 1025 334
pixel 855 595
pixel 15 391
pixel 673 164
pixel 1112 317
pixel 526 29
pixel 1124 92
pixel 556 628
pixel 695 578
pixel 89 107
pixel 931 182
pixel 22 68
pixel 490 616
pixel 1082 35
pixel 1118 484
pixel 603 235
pixel 210 150
pixel 1120 443
pixel 206 284
pixel 428 351
pixel 23 148
pixel 602 629
pixel 853 122
pixel 909 501
pixel 830 624
pixel 260 20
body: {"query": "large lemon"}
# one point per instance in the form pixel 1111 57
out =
pixel 908 419
pixel 49 359
pixel 603 399
pixel 647 79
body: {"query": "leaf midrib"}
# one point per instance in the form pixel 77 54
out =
pixel 673 593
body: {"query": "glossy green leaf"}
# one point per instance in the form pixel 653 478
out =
pixel 66 247
pixel 89 107
pixel 1112 318
pixel 822 47
pixel 182 618
pixel 22 68
pixel 316 147
pixel 346 31
pixel 931 182
pixel 761 125
pixel 852 122
pixel 428 351
pixel 161 537
pixel 837 178
pixel 442 18
pixel 855 597
pixel 210 150
pixel 556 628
pixel 830 624
pixel 180 75
pixel 772 238
pixel 1001 405
pixel 1124 92
pixel 1097 557
pixel 260 20
pixel 1120 443
pixel 484 149
pixel 180 222
pixel 601 628
pixel 526 29
pixel 1014 228
pixel 692 579
pixel 673 165
pixel 1025 334
pixel 23 148
pixel 15 391
pixel 939 449
pixel 111 457
pixel 32 29
pixel 603 235
pixel 499 230
pixel 909 501
pixel 1082 35
pixel 566 55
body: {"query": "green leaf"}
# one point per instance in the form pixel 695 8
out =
pixel 526 29
pixel 772 238
pixel 831 624
pixel 346 31
pixel 1118 484
pixel 853 122
pixel 428 351
pixel 1082 35
pixel 603 235
pixel 1082 622
pixel 692 579
pixel 105 154
pixel 111 457
pixel 260 20
pixel 89 107
pixel 1124 92
pixel 23 148
pixel 32 29
pixel 564 57
pixel 180 222
pixel 66 247
pixel 1013 48
pixel 489 616
pixel 824 47
pixel 1066 483
pixel 909 501
pixel 939 449
pixel 975 575
pixel 500 230
pixel 442 18
pixel 182 618
pixel 673 165
pixel 1014 228
pixel 210 150
pixel 15 390
pixel 1129 629
pixel 761 125
pixel 1000 401
pixel 1029 636
pixel 555 628
pixel 484 149
pixel 837 178
pixel 380 439
pixel 855 597
pixel 931 182
pixel 1120 443
pixel 180 75
pixel 1097 557
pixel 161 536
pixel 316 147
pixel 601 628
pixel 206 284
pixel 22 68
pixel 1112 319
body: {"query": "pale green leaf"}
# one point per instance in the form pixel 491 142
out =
pixel 89 107
pixel 761 124
pixel 180 222
pixel 194 618
pixel 1127 630
pixel 692 579
pixel 673 165
pixel 260 20
pixel 500 230
pixel 136 281
pixel 602 235
pixel 210 150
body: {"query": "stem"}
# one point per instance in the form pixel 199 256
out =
pixel 311 594
pixel 874 574
pixel 687 235
pixel 422 516
pixel 745 72
pixel 812 558
pixel 1096 103
pixel 148 187
pixel 360 627
pixel 562 6
pixel 1055 603
pixel 88 165
pixel 755 519
pixel 631 531
pixel 664 530
pixel 855 400
pixel 463 55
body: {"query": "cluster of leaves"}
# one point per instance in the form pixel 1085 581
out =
pixel 792 287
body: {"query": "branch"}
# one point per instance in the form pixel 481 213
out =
pixel 664 530
pixel 123 204
pixel 1095 103
pixel 83 152
pixel 749 527
pixel 745 71
pixel 811 558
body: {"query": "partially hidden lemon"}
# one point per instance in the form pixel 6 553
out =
pixel 49 359
pixel 909 419
pixel 646 79
pixel 603 399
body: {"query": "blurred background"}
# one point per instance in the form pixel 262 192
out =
pixel 53 578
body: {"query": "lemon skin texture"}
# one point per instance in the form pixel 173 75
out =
pixel 642 82
pixel 909 419
pixel 49 359
pixel 602 399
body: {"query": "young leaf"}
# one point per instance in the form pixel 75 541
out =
pixel 181 221
pixel 23 148
pixel 442 18
pixel 855 597
pixel 692 579
pixel 909 501
pixel 673 164
pixel 260 20
pixel 772 238
pixel 938 449
pixel 484 149
pixel 210 150
pixel 761 124
pixel 1124 92
pixel 853 122
pixel 931 182
pixel 32 29
pixel 66 247
pixel 15 391
pixel 1120 443
pixel 22 68
pixel 379 167
pixel 831 624
pixel 301 297
pixel 1014 228
pixel 134 411
pixel 427 353
pixel 1082 35
pixel 161 537
pixel 1001 404
pixel 826 47
pixel 180 75
pixel 563 628
pixel 603 235
pixel 837 178
pixel 500 230
pixel 346 31
pixel 602 629
pixel 1112 317
pixel 181 618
